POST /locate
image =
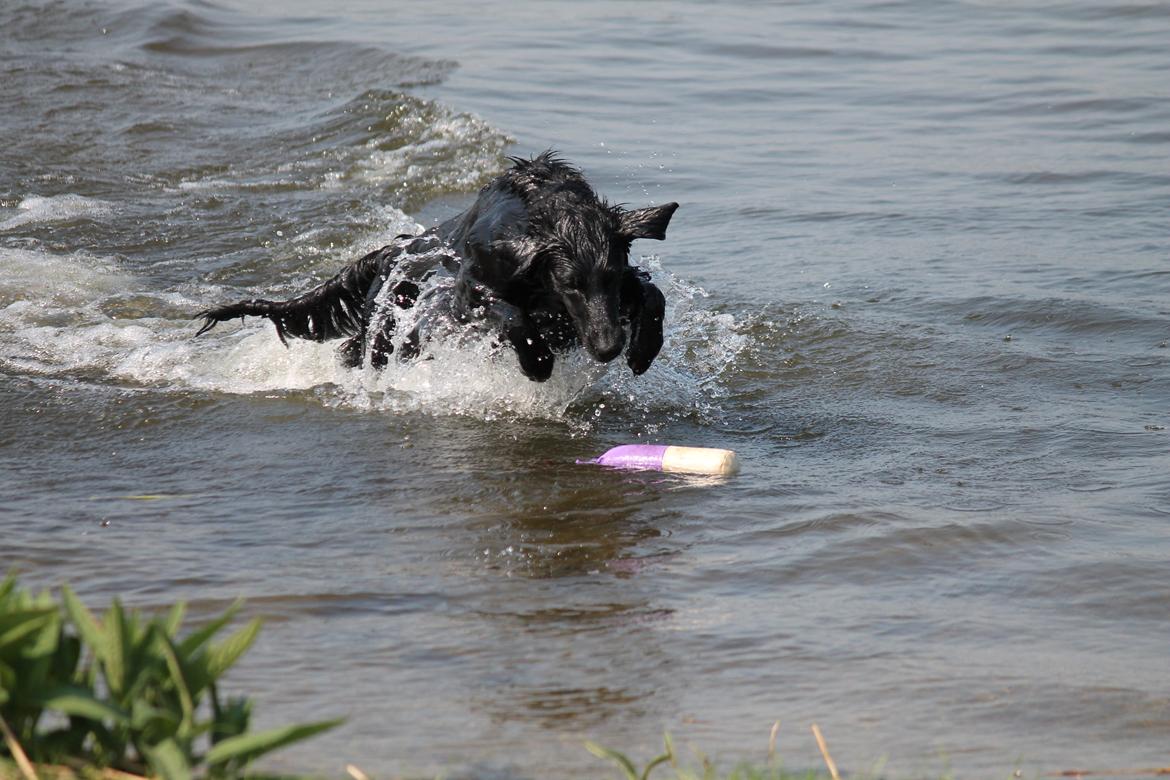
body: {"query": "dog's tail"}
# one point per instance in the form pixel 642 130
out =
pixel 335 309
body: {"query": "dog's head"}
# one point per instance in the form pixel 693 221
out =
pixel 582 261
pixel 539 233
pixel 578 246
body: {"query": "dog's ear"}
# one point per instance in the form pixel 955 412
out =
pixel 649 222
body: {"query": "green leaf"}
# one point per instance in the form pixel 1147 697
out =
pixel 197 639
pixel 231 720
pixel 8 586
pixel 628 768
pixel 154 723
pixel 44 600
pixel 18 624
pixel 221 657
pixel 43 644
pixel 247 747
pixel 167 761
pixel 83 620
pixel 80 702
pixel 187 724
pixel 63 665
pixel 117 648
pixel 174 619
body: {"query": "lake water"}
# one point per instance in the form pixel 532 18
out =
pixel 919 280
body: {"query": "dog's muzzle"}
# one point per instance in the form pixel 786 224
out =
pixel 607 346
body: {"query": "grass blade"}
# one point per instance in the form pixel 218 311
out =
pixel 662 759
pixel 829 762
pixel 18 754
pixel 628 768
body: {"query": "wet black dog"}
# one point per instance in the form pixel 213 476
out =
pixel 538 260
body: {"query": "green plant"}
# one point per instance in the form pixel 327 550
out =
pixel 127 691
pixel 707 771
pixel 629 769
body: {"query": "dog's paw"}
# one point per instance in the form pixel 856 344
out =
pixel 536 359
pixel 241 309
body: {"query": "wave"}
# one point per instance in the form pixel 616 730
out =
pixel 1062 317
pixel 34 209
pixel 169 95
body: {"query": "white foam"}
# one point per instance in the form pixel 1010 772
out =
pixel 35 209
pixel 196 185
pixel 50 280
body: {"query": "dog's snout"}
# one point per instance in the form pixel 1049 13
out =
pixel 608 346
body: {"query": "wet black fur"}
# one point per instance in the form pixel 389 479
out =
pixel 538 258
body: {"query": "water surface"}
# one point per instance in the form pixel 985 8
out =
pixel 918 280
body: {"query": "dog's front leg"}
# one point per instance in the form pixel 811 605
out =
pixel 536 359
pixel 644 305
pixel 475 301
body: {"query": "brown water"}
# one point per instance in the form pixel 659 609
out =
pixel 919 280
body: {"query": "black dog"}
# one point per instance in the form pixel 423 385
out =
pixel 538 260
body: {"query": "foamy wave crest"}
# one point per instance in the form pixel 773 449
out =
pixel 36 209
pixel 380 144
pixel 47 282
pixel 452 152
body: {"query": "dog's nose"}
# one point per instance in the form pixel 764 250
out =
pixel 607 349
